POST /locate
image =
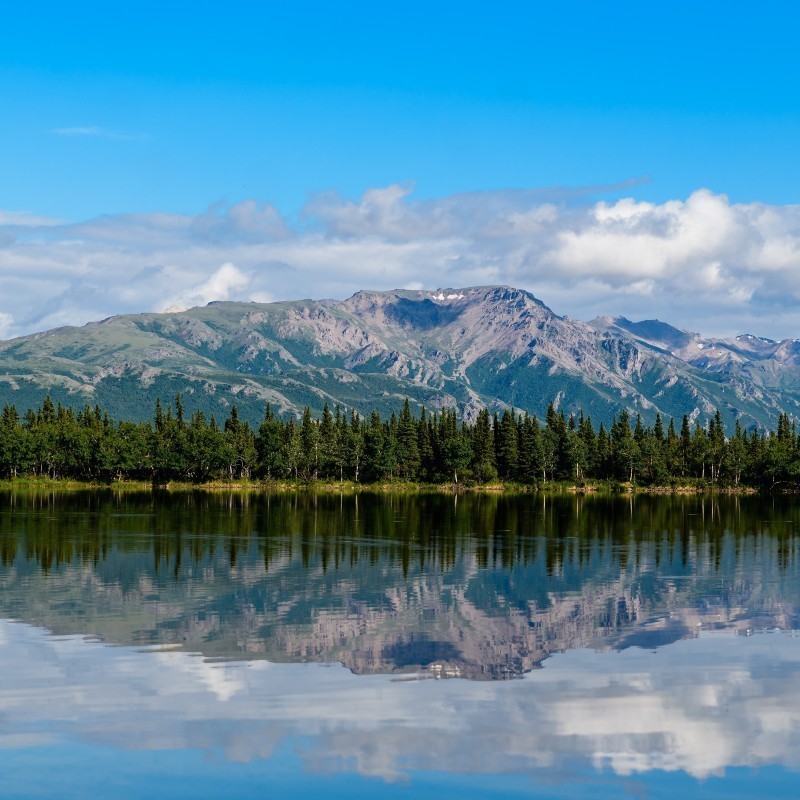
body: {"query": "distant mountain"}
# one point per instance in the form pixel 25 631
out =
pixel 483 346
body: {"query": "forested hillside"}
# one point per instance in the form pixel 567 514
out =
pixel 437 447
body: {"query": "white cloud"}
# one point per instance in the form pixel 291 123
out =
pixel 6 324
pixel 79 131
pixel 226 283
pixel 703 263
pixel 92 131
pixel 25 218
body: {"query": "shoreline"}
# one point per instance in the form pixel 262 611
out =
pixel 384 487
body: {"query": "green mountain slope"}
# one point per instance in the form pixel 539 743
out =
pixel 493 346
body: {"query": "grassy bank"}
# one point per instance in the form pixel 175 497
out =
pixel 387 487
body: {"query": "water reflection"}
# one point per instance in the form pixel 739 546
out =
pixel 700 706
pixel 650 637
pixel 485 587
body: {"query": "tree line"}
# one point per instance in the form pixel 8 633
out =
pixel 58 442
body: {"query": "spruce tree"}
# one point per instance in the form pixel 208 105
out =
pixel 408 459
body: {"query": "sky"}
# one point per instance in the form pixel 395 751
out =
pixel 620 158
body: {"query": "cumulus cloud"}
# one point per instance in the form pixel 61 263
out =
pixel 6 324
pixel 227 283
pixel 701 263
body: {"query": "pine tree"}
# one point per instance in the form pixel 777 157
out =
pixel 309 446
pixel 686 446
pixel 355 445
pixel 270 454
pixel 327 444
pixel 292 449
pixel 408 459
pixel 425 447
pixel 454 446
pixel 507 448
pixel 587 434
pixel 737 453
pixel 625 450
pixel 658 429
pixel 483 459
pixel 375 467
pixel 716 446
pixel 698 452
pixel 11 442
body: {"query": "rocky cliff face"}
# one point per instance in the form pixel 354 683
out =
pixel 468 348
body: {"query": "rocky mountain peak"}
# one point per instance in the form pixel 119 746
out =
pixel 495 346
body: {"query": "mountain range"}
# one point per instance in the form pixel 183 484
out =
pixel 492 346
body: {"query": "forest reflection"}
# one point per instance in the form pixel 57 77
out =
pixel 482 585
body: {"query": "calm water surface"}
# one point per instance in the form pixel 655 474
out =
pixel 427 646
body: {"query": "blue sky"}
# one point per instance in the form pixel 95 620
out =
pixel 154 108
pixel 217 101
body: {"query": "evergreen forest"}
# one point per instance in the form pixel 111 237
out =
pixel 56 442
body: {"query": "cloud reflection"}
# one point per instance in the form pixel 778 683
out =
pixel 701 706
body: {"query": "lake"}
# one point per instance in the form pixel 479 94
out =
pixel 250 645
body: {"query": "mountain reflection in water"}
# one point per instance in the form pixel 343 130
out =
pixel 474 586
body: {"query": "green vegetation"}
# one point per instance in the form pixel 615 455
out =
pixel 495 346
pixel 55 443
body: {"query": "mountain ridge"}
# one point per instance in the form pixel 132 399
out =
pixel 471 347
